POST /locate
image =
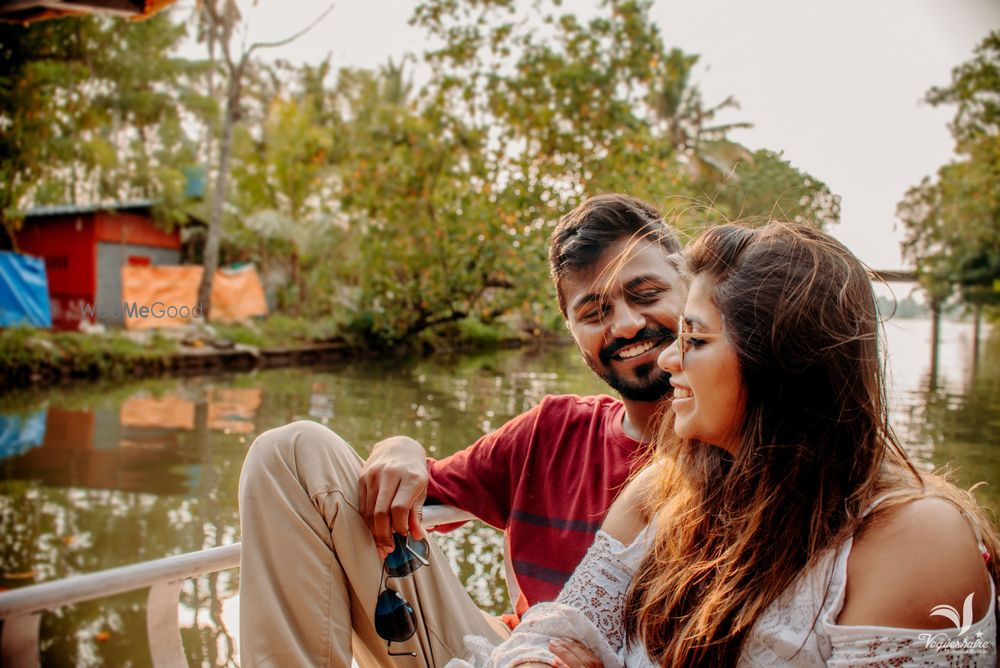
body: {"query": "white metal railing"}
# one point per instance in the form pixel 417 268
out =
pixel 21 610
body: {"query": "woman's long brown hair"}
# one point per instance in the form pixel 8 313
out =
pixel 732 532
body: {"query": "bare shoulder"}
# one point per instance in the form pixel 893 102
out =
pixel 910 559
pixel 625 519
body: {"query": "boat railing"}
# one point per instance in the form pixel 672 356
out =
pixel 21 609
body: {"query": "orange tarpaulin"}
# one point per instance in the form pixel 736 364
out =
pixel 232 409
pixel 237 294
pixel 167 296
pixel 169 412
pixel 159 296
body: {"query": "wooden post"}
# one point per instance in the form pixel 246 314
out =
pixel 935 339
pixel 977 312
pixel 20 641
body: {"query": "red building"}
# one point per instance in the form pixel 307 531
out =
pixel 85 248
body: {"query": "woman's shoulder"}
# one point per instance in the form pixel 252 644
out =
pixel 627 516
pixel 909 559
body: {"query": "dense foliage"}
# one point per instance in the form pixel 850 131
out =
pixel 952 221
pixel 93 109
pixel 398 210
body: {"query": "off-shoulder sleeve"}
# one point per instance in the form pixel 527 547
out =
pixel 975 648
pixel 969 643
pixel 867 646
pixel 589 609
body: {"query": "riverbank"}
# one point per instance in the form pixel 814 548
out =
pixel 33 358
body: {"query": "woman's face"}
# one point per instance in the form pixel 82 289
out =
pixel 709 399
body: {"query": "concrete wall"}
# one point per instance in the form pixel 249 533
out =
pixel 110 260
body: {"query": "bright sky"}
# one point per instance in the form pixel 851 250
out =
pixel 834 84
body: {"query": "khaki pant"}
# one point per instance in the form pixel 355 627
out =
pixel 310 573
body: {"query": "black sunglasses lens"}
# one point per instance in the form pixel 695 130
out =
pixel 420 547
pixel 393 617
pixel 401 562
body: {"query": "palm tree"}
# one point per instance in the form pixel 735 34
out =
pixel 683 120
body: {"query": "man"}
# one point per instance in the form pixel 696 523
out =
pixel 310 572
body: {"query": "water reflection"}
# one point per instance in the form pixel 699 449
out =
pixel 19 433
pixel 951 420
pixel 100 476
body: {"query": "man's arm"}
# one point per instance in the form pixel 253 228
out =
pixel 391 490
pixel 481 479
pixel 394 481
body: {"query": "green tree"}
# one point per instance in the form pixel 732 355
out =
pixel 220 25
pixel 952 222
pixel 563 104
pixel 287 190
pixel 93 108
pixel 973 89
pixel 970 198
pixel 571 107
pixel 684 121
pixel 434 247
pixel 559 106
pixel 766 187
pixel 928 239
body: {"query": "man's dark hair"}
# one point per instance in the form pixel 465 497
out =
pixel 583 234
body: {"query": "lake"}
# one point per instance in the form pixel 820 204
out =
pixel 102 475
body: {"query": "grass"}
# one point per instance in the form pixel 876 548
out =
pixel 34 356
pixel 279 330
pixel 27 353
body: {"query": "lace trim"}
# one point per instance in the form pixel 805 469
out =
pixel 887 651
pixel 598 585
pixel 588 609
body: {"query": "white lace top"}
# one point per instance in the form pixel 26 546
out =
pixel 798 629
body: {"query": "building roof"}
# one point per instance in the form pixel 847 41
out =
pixel 70 209
pixel 28 11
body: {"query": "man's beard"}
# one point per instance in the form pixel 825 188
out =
pixel 652 383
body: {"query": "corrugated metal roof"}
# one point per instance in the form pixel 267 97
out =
pixel 70 209
pixel 28 11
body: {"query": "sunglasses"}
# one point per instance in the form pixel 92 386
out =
pixel 394 618
pixel 685 334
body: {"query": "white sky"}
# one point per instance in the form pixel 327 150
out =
pixel 834 84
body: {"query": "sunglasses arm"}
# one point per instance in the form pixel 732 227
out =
pixel 414 553
pixel 391 653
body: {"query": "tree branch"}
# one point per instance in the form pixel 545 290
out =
pixel 426 323
pixel 218 27
pixel 291 38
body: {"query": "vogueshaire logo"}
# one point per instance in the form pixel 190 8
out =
pixel 943 642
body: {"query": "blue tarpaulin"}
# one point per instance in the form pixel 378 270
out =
pixel 20 433
pixel 24 291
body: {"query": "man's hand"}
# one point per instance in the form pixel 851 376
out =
pixel 392 489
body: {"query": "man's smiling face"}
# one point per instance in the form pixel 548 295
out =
pixel 622 312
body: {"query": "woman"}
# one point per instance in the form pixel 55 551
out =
pixel 782 523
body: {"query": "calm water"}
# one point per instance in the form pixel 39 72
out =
pixel 99 476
